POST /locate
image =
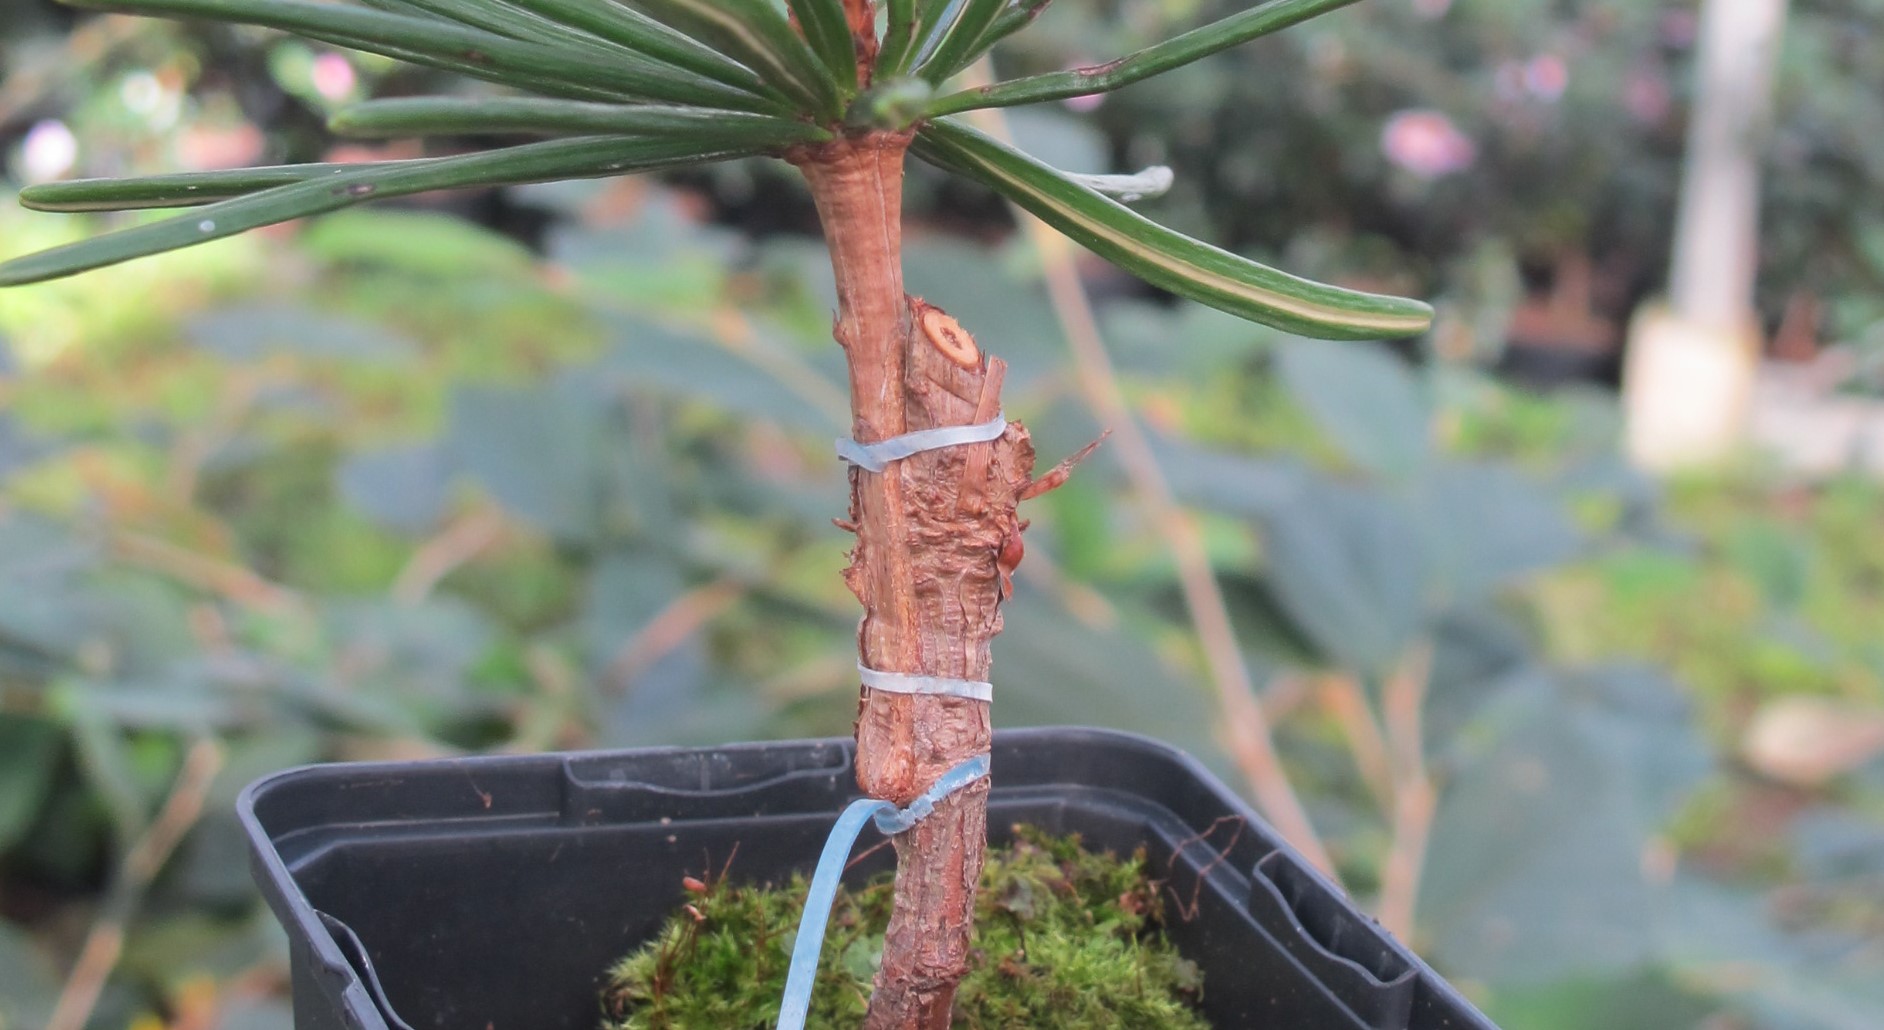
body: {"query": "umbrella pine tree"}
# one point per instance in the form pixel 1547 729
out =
pixel 845 90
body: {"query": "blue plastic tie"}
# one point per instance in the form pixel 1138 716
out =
pixel 891 820
pixel 877 456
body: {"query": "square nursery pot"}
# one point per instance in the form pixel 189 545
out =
pixel 492 893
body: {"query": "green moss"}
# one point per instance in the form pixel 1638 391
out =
pixel 1063 938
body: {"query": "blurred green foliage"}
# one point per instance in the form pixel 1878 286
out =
pixel 1546 133
pixel 401 489
pixel 391 485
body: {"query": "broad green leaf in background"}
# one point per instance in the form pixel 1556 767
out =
pixel 28 747
pixel 418 243
pixel 1817 993
pixel 1154 60
pixel 1048 663
pixel 1541 864
pixel 1777 561
pixel 1057 139
pixel 677 697
pixel 416 655
pixel 105 762
pixel 174 701
pixel 1139 335
pixel 18 447
pixel 1485 526
pixel 756 380
pixel 1736 943
pixel 628 587
pixel 1261 625
pixel 144 620
pixel 1163 257
pixel 1642 1000
pixel 538 451
pixel 663 262
pixel 1366 400
pixel 252 332
pixel 29 981
pixel 1347 566
pixel 1234 484
pixel 44 615
pixel 1477 650
pixel 1838 846
pixel 404 488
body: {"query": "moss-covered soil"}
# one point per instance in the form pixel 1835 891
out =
pixel 1063 938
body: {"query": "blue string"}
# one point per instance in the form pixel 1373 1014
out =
pixel 891 821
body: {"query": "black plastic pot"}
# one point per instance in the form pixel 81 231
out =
pixel 491 893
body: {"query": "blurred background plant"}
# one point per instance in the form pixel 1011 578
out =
pixel 549 468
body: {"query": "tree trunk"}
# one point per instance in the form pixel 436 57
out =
pixel 936 533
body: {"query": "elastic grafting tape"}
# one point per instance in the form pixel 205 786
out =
pixel 891 820
pixel 905 683
pixel 875 457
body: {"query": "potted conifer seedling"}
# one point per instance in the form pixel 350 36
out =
pixel 845 91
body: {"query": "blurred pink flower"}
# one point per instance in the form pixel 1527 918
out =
pixel 1679 27
pixel 1646 96
pixel 333 76
pixel 48 152
pixel 1430 9
pixel 1427 144
pixel 1546 76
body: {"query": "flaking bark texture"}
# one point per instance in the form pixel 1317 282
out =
pixel 935 533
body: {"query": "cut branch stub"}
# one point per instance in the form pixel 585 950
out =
pixel 945 334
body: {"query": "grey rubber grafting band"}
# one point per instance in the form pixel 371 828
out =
pixel 875 457
pixel 905 683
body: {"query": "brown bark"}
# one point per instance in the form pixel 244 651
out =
pixel 931 531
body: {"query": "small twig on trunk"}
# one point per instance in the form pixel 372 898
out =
pixel 1402 697
pixel 146 857
pixel 1249 738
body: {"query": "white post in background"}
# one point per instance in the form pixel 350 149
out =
pixel 1691 364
